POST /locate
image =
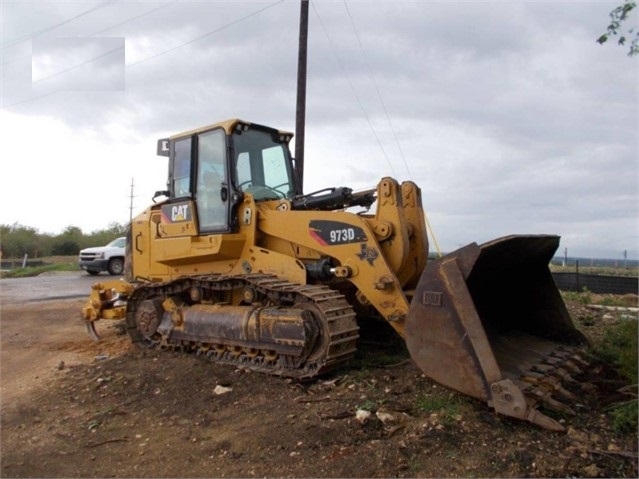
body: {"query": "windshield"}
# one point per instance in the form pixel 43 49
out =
pixel 263 165
pixel 118 243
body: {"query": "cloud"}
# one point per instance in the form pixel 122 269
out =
pixel 509 115
pixel 76 63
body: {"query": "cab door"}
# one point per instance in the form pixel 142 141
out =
pixel 211 182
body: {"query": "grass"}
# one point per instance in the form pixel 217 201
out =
pixel 447 407
pixel 618 347
pixel 51 264
pixel 600 270
pixel 586 297
pixel 624 416
pixel 615 344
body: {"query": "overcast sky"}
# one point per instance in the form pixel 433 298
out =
pixel 508 115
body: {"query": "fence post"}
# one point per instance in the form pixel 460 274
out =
pixel 24 261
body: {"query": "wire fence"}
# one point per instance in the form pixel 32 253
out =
pixel 595 283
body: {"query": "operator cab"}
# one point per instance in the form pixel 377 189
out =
pixel 216 165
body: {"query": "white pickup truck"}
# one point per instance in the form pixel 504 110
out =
pixel 104 258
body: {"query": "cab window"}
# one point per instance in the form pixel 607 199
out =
pixel 182 168
pixel 211 183
pixel 262 165
pixel 275 170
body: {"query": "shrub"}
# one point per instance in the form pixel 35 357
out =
pixel 618 347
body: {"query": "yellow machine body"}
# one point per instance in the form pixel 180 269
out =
pixel 238 264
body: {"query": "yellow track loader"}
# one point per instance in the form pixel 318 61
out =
pixel 237 264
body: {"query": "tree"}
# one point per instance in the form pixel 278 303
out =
pixel 65 248
pixel 117 229
pixel 617 17
pixel 68 243
pixel 18 240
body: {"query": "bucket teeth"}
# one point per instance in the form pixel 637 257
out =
pixel 548 401
pixel 560 373
pixel 93 333
pixel 544 421
pixel 541 368
pixel 548 383
pixel 537 396
pixel 573 355
pixel 566 363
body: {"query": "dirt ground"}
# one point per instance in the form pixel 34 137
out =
pixel 72 407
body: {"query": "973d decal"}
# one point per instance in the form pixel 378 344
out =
pixel 328 233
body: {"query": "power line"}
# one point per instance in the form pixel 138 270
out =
pixel 217 30
pixel 44 30
pixel 379 94
pixel 379 143
pixel 78 65
pixel 429 227
pixel 29 100
pixel 26 57
pixel 134 18
pixel 223 27
pixel 55 74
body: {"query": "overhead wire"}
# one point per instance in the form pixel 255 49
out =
pixel 218 29
pixel 390 123
pixel 129 20
pixel 33 35
pixel 379 94
pixel 110 51
pixel 78 65
pixel 359 101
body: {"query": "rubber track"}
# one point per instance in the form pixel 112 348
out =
pixel 337 316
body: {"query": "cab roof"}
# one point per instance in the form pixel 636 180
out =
pixel 228 126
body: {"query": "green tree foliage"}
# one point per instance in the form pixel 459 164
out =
pixel 65 248
pixel 619 348
pixel 67 243
pixel 102 237
pixel 17 240
pixel 618 16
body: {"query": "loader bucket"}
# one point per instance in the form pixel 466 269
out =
pixel 489 321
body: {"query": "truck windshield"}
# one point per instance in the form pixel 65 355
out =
pixel 118 243
pixel 263 165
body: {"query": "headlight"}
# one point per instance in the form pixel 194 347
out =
pixel 100 256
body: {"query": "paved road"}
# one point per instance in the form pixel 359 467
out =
pixel 64 285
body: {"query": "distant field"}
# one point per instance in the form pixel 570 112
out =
pixel 620 263
pixel 60 260
pixel 12 268
pixel 602 270
pixel 584 265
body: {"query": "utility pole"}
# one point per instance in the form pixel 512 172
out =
pixel 300 114
pixel 131 203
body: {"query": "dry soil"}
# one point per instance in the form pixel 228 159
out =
pixel 72 407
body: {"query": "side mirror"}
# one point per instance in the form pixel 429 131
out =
pixel 160 193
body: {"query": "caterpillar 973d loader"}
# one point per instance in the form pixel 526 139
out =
pixel 236 263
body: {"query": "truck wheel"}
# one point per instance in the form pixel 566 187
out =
pixel 116 266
